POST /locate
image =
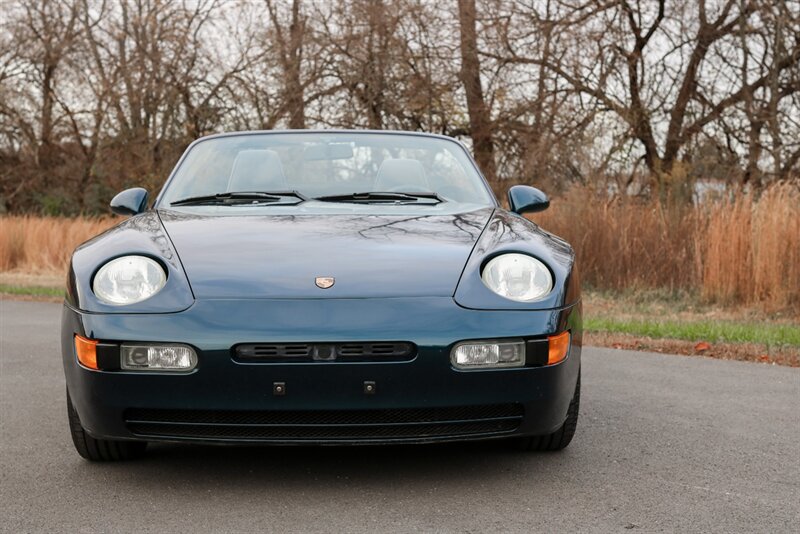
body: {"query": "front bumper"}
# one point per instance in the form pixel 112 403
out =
pixel 421 400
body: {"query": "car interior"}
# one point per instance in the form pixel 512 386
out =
pixel 324 168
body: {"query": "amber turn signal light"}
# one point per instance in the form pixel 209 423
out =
pixel 559 346
pixel 86 349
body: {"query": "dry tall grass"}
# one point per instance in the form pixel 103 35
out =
pixel 740 251
pixel 751 250
pixel 44 244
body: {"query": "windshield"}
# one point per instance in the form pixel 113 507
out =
pixel 316 165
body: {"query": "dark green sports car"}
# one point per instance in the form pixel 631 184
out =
pixel 322 287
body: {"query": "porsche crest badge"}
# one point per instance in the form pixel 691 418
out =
pixel 324 282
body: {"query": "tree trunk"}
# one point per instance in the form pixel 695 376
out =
pixel 46 148
pixel 480 123
pixel 374 77
pixel 294 87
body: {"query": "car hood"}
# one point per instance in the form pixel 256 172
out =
pixel 281 256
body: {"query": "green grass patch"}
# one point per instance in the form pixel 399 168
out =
pixel 712 332
pixel 34 291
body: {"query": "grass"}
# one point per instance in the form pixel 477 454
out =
pixel 743 249
pixel 43 245
pixel 684 317
pixel 709 331
pixel 31 291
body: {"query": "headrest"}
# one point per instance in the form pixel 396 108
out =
pixel 257 170
pixel 402 175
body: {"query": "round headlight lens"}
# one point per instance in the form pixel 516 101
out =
pixel 128 280
pixel 517 277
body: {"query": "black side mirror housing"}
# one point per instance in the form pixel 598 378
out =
pixel 527 199
pixel 130 202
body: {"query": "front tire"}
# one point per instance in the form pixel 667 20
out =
pixel 560 438
pixel 100 450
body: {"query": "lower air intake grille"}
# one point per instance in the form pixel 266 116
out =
pixel 327 425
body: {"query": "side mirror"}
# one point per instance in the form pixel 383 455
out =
pixel 527 199
pixel 130 202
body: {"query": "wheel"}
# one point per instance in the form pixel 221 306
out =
pixel 561 437
pixel 100 450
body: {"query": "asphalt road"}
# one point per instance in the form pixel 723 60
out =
pixel 664 443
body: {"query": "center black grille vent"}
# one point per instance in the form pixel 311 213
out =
pixel 391 351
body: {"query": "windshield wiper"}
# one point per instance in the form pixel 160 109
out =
pixel 232 198
pixel 385 197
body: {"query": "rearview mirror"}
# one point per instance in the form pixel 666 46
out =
pixel 130 202
pixel 527 199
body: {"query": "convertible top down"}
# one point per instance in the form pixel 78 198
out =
pixel 322 287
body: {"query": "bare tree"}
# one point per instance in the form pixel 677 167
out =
pixel 480 121
pixel 289 37
pixel 650 72
pixel 363 33
pixel 159 74
pixel 643 96
pixel 771 127
pixel 542 129
pixel 392 66
pixel 41 37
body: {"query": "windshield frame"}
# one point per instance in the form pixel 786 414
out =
pixel 158 201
